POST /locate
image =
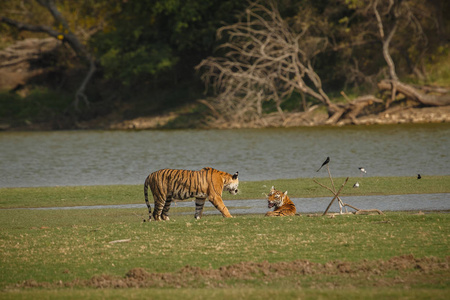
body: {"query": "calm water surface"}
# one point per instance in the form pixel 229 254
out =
pixel 120 157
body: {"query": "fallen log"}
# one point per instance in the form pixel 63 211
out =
pixel 413 93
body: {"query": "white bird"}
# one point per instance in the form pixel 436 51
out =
pixel 356 185
pixel 362 170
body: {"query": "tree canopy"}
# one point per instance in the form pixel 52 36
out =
pixel 338 44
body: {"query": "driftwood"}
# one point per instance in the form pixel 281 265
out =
pixel 363 211
pixel 335 196
pixel 415 93
pixel 341 203
pixel 352 108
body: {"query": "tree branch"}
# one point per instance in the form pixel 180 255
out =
pixel 66 36
pixel 266 54
pixel 386 41
pixel 29 27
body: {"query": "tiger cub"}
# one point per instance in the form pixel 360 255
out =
pixel 283 205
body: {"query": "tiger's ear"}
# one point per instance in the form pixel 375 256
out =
pixel 285 193
pixel 273 188
pixel 235 175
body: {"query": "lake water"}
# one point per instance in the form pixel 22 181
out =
pixel 30 159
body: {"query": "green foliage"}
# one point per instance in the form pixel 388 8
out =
pixel 154 44
pixel 39 105
pixel 142 61
pixel 439 68
pixel 149 39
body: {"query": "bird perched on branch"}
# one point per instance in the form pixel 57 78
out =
pixel 324 163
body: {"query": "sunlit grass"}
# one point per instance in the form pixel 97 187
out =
pixel 49 246
pixel 65 245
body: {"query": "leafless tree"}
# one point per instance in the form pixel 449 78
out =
pixel 265 59
pixel 390 16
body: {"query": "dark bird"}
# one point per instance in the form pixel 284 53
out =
pixel 418 176
pixel 324 163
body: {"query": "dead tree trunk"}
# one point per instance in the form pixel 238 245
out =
pixel 414 94
pixel 386 40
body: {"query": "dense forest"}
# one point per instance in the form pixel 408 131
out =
pixel 215 63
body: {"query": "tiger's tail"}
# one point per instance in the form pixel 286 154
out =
pixel 146 184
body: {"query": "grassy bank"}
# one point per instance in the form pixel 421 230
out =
pixel 54 249
pixel 300 187
pixel 66 254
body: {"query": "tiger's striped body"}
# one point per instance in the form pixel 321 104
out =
pixel 207 183
pixel 283 205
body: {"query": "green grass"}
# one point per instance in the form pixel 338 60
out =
pixel 49 246
pixel 300 187
pixel 66 245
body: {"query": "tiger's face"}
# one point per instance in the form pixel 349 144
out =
pixel 232 184
pixel 276 198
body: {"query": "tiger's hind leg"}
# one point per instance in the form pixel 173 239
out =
pixel 165 211
pixel 159 206
pixel 199 203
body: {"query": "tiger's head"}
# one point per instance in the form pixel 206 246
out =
pixel 276 198
pixel 232 184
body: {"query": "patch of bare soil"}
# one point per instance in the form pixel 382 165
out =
pixel 408 271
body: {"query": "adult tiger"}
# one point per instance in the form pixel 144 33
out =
pixel 208 183
pixel 283 205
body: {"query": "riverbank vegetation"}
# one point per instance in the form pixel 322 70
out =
pixel 106 63
pixel 297 188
